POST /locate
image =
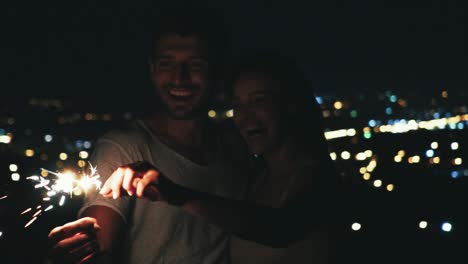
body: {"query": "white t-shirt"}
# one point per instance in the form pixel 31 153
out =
pixel 156 232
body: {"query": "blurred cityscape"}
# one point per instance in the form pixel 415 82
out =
pixel 402 157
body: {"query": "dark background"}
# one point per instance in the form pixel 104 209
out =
pixel 94 47
pixel 87 56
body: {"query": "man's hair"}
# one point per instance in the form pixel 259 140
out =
pixel 187 20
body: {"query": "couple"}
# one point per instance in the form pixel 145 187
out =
pixel 200 196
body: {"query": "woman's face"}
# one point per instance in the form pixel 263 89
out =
pixel 255 113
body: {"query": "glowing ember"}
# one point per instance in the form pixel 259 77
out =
pixel 37 213
pixel 30 222
pixel 62 200
pixel 25 211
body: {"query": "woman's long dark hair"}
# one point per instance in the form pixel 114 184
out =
pixel 294 97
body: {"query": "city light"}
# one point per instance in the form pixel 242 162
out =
pixel 212 113
pixel 356 226
pixel 446 227
pixel 13 167
pixel 455 174
pixel 229 113
pixel 83 154
pixel 345 155
pixel 336 134
pixel 390 187
pixel 15 176
pixel 338 105
pixel 351 132
pixel 377 183
pixel 430 153
pixel 366 176
pixel 423 224
pixel 361 156
pixel 81 163
pixel 87 144
pixel 29 153
pixel 63 156
pixel 5 139
pixel 48 138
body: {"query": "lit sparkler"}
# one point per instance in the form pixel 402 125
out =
pixel 65 183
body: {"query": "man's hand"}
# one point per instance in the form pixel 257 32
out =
pixel 74 242
pixel 138 179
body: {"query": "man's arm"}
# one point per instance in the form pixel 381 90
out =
pixel 110 223
pixel 78 241
pixel 89 239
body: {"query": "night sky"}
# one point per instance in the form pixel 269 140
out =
pixel 93 48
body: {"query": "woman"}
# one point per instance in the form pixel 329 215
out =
pixel 277 115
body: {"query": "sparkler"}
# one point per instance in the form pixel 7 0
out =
pixel 65 183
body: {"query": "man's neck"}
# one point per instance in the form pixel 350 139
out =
pixel 187 132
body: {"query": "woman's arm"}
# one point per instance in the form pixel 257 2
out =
pixel 275 227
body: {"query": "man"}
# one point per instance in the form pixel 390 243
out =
pixel 177 139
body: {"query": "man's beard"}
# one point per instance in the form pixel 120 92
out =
pixel 184 114
pixel 194 111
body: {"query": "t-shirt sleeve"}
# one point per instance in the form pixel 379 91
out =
pixel 108 155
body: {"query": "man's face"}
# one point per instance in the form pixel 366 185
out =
pixel 180 74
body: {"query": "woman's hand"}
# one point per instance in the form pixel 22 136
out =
pixel 138 179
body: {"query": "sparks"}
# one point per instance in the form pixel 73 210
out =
pixel 62 200
pixel 25 211
pixel 65 183
pixel 30 222
pixel 37 213
pixel 3 197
